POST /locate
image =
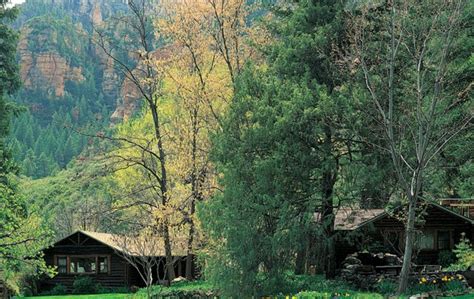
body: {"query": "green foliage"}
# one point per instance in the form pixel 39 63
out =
pixel 43 139
pixel 9 79
pixel 85 285
pixel 58 289
pixel 455 286
pixel 45 150
pixel 22 232
pixel 446 258
pixel 73 198
pixel 386 287
pixel 465 255
pixel 298 283
pixel 337 294
pixel 185 289
pixel 261 217
pixel 282 153
pixel 439 282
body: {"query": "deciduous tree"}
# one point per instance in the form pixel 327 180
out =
pixel 405 54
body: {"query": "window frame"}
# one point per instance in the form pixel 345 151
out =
pixel 96 258
pixel 107 258
pixel 434 234
pixel 399 235
pixel 450 234
pixel 56 263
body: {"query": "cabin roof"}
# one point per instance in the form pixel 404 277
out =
pixel 353 218
pixel 133 246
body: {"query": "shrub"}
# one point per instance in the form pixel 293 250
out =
pixel 454 286
pixel 386 287
pixel 85 285
pixel 185 289
pixel 452 283
pixel 464 253
pixel 337 294
pixel 58 289
pixel 446 258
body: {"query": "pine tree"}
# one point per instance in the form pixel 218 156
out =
pixel 20 237
pixel 281 151
pixel 29 166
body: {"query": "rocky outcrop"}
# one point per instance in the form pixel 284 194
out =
pixel 110 80
pixel 96 15
pixel 47 71
pixel 359 269
pixel 55 51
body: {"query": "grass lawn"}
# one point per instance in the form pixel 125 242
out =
pixel 95 296
pixel 309 295
pixel 184 287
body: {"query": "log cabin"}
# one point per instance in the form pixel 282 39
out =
pixel 376 230
pixel 101 256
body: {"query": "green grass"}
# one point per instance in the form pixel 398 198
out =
pixel 141 294
pixel 304 295
pixel 95 296
pixel 351 295
pixel 202 286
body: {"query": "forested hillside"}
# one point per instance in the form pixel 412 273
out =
pixel 67 82
pixel 234 132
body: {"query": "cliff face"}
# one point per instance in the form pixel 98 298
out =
pixel 56 51
pixel 58 58
pixel 47 71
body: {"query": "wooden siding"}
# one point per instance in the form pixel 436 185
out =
pixel 116 278
pixel 436 219
pixel 120 274
pixel 81 245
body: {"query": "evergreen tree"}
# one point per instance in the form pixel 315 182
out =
pixel 20 237
pixel 282 148
pixel 29 167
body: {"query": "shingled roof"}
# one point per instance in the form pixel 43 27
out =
pixel 353 218
pixel 135 246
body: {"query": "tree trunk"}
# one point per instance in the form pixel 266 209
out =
pixel 300 265
pixel 189 267
pixel 328 218
pixel 149 280
pixel 168 252
pixel 189 257
pixel 195 196
pixel 329 246
pixel 410 232
pixel 164 192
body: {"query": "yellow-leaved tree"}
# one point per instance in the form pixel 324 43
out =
pixel 160 158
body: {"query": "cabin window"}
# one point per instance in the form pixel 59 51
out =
pixel 103 264
pixel 62 264
pixel 82 265
pixel 86 264
pixel 426 240
pixel 444 239
pixel 392 239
